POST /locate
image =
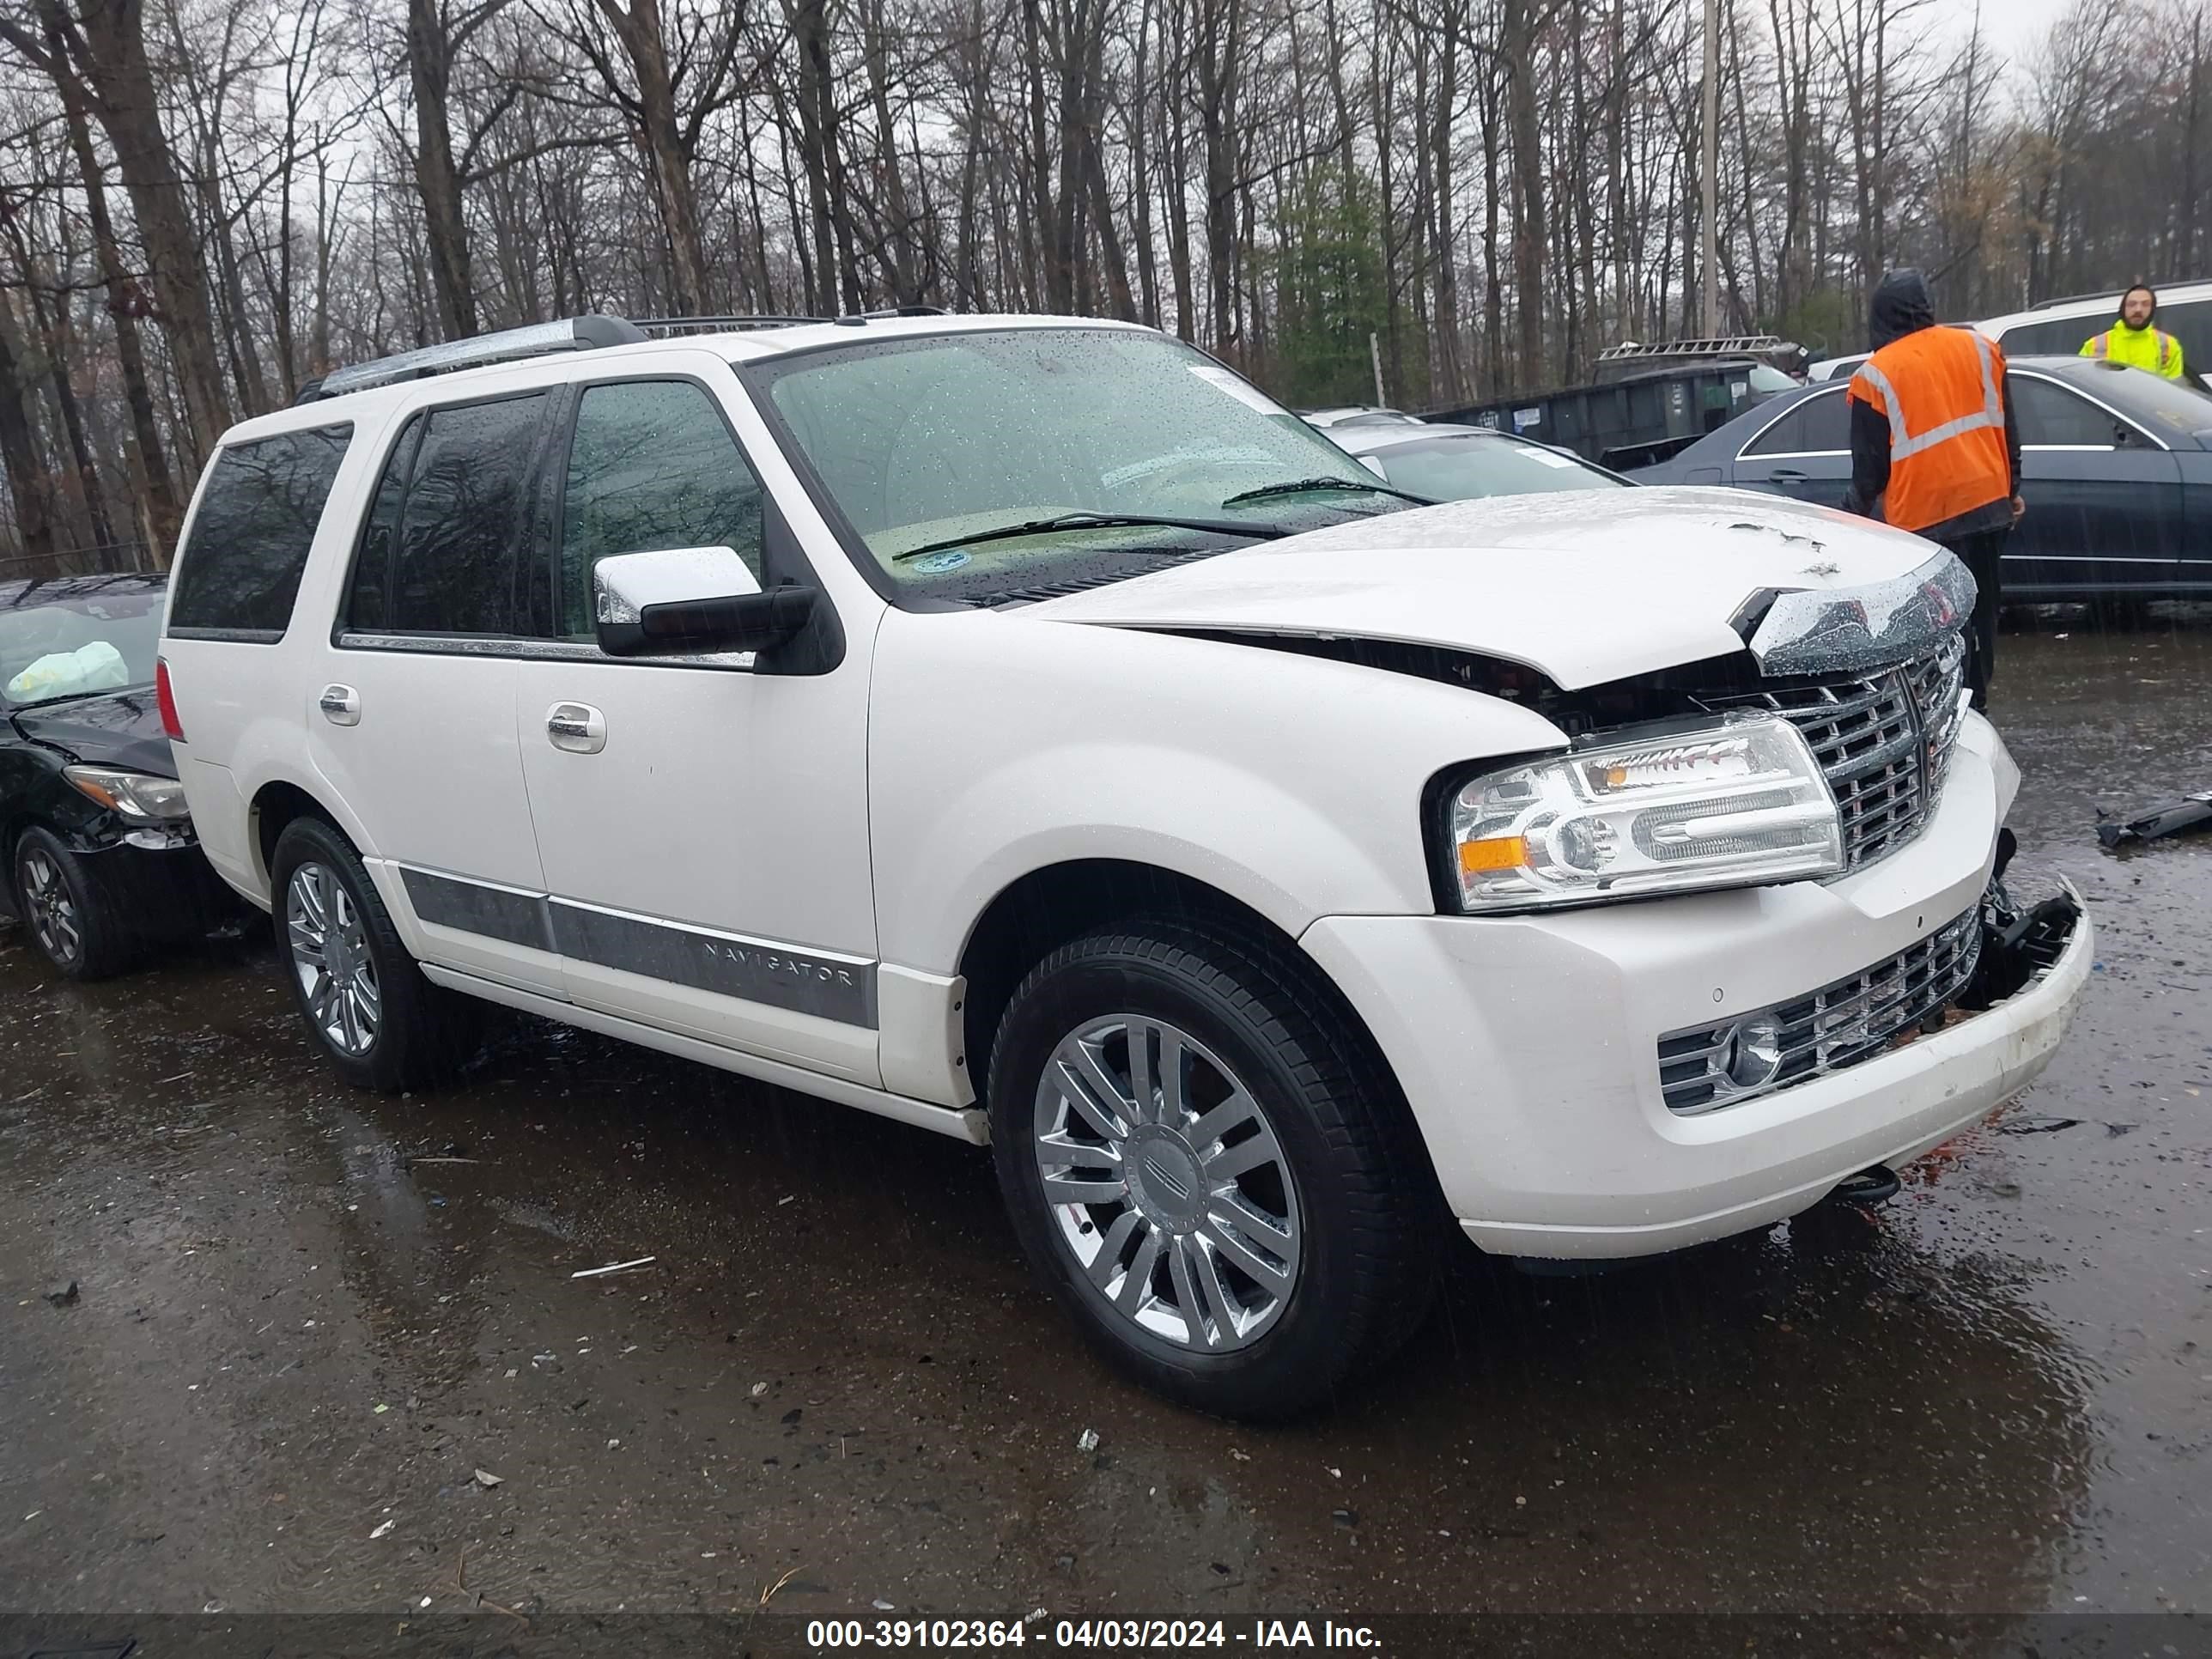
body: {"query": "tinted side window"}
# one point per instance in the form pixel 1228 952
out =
pixel 2190 321
pixel 2061 336
pixel 1783 437
pixel 1827 429
pixel 368 608
pixel 2048 414
pixel 250 538
pixel 468 558
pixel 651 467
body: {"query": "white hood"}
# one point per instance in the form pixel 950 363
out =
pixel 1586 586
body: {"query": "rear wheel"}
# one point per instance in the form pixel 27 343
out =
pixel 1208 1166
pixel 64 910
pixel 377 1019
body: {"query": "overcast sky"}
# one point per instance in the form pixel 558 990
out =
pixel 2014 27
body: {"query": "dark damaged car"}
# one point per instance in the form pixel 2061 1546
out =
pixel 100 861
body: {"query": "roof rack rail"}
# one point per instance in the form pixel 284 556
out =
pixel 2112 294
pixel 661 327
pixel 586 333
pixel 583 334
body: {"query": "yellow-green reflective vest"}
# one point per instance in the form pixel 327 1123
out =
pixel 2153 349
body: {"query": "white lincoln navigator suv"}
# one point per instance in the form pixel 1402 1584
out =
pixel 1024 728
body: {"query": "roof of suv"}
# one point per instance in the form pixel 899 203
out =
pixel 2091 304
pixel 742 341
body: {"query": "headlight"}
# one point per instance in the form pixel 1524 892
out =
pixel 1738 803
pixel 136 795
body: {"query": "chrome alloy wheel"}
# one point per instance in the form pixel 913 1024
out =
pixel 1166 1184
pixel 49 909
pixel 329 954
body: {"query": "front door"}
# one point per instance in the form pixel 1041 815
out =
pixel 2103 500
pixel 412 718
pixel 704 828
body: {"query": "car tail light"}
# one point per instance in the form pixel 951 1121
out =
pixel 171 726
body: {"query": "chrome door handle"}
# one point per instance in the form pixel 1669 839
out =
pixel 577 727
pixel 341 705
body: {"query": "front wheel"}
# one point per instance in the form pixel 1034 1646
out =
pixel 68 920
pixel 378 1021
pixel 1209 1166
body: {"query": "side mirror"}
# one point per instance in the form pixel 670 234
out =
pixel 691 601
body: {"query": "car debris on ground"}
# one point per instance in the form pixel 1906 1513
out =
pixel 2171 819
pixel 614 1267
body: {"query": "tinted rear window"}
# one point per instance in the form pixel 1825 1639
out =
pixel 239 572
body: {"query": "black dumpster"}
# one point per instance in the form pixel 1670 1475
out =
pixel 1632 421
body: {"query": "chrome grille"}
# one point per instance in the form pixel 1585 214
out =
pixel 1838 1025
pixel 1884 740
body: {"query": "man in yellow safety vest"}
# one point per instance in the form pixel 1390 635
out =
pixel 2133 341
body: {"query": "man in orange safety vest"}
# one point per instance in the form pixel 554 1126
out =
pixel 1934 448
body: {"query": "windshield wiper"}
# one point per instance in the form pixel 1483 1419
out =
pixel 76 696
pixel 1092 521
pixel 1298 485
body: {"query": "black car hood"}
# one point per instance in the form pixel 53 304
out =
pixel 122 729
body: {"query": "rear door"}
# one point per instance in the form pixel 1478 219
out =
pixel 1804 453
pixel 412 717
pixel 2103 498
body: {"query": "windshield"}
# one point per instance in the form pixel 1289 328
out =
pixel 921 443
pixel 78 646
pixel 2169 406
pixel 1464 466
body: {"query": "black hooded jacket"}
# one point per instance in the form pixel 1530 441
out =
pixel 1901 306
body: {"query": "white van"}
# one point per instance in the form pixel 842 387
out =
pixel 1026 729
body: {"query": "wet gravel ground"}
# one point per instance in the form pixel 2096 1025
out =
pixel 307 1317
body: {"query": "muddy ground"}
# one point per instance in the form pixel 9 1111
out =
pixel 306 1317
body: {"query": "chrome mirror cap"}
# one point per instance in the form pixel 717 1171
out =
pixel 623 584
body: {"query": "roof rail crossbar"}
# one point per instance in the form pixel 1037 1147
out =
pixel 583 334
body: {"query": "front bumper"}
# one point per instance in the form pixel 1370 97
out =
pixel 1528 1046
pixel 161 894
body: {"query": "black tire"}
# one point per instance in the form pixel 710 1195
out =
pixel 68 918
pixel 422 1033
pixel 1368 1213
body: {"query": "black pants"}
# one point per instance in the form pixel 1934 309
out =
pixel 1983 553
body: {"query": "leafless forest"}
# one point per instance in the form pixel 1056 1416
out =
pixel 204 203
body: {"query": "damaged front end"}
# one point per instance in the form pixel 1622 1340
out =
pixel 1966 967
pixel 2019 943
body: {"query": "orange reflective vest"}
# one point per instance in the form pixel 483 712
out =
pixel 1941 391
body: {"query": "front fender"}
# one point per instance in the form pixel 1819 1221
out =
pixel 1000 745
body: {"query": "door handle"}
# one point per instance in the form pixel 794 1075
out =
pixel 1785 475
pixel 577 727
pixel 341 705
